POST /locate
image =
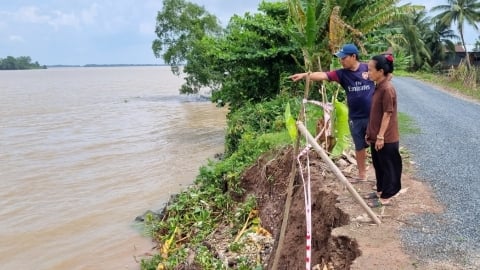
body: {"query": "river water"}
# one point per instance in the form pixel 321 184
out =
pixel 83 151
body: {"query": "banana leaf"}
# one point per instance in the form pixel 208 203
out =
pixel 341 129
pixel 290 123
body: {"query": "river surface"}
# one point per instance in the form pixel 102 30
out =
pixel 83 151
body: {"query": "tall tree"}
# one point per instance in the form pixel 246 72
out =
pixel 9 63
pixel 350 21
pixel 458 12
pixel 439 40
pixel 367 16
pixel 413 28
pixel 179 26
pixel 477 46
pixel 254 55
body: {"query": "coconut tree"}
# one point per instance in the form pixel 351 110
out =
pixel 460 12
pixel 439 40
pixel 414 26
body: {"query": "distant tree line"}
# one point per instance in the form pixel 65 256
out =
pixel 22 62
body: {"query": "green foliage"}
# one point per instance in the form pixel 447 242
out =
pixel 341 129
pixel 194 214
pixel 151 263
pixel 253 54
pixel 407 125
pixel 235 247
pixel 252 118
pixel 251 146
pixel 206 260
pixel 244 64
pixel 402 61
pixel 439 41
pixel 22 62
pixel 200 70
pixel 290 124
pixel 179 26
pixel 243 212
pixel 415 26
pixel 310 20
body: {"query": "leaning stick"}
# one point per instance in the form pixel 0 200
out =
pixel 337 172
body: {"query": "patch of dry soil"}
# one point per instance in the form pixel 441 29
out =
pixel 343 237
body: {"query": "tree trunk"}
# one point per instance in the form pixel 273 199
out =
pixel 465 48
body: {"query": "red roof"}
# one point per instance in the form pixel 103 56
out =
pixel 459 48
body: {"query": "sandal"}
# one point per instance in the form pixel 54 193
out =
pixel 354 180
pixel 377 203
pixel 371 195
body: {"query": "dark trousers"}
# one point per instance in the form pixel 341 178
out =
pixel 387 163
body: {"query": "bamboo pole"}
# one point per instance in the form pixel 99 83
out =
pixel 337 172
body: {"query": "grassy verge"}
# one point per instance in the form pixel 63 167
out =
pixel 407 125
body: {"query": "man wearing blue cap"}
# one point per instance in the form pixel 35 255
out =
pixel 353 77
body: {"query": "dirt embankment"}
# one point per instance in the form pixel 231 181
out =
pixel 343 237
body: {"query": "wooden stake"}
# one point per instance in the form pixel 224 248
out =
pixel 337 172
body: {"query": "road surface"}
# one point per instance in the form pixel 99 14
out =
pixel 447 155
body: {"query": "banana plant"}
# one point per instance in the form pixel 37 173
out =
pixel 308 24
pixel 319 26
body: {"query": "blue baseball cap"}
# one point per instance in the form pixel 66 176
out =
pixel 347 49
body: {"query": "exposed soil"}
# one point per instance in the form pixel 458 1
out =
pixel 343 236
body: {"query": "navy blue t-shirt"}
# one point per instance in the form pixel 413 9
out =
pixel 358 87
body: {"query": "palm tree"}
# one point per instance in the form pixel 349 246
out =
pixel 413 26
pixel 439 40
pixel 324 25
pixel 458 12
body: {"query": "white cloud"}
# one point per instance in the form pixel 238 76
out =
pixel 56 18
pixel 15 38
pixel 30 14
pixel 64 19
pixel 33 15
pixel 89 15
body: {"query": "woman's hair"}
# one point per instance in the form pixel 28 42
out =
pixel 384 62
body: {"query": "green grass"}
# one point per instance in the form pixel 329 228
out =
pixel 407 125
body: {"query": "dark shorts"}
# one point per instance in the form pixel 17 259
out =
pixel 358 129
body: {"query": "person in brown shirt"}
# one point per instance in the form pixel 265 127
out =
pixel 382 131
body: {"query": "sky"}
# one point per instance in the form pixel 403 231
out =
pixel 80 32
